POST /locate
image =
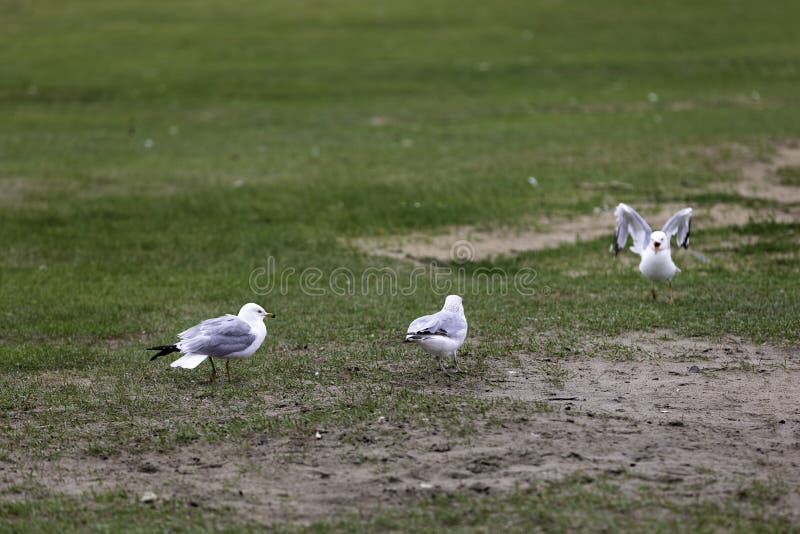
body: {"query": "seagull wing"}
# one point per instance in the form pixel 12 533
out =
pixel 630 222
pixel 443 323
pixel 220 336
pixel 680 224
pixel 426 326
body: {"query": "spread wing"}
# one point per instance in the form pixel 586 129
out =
pixel 629 222
pixel 217 337
pixel 680 224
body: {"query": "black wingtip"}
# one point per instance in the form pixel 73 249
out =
pixel 614 243
pixel 163 350
pixel 685 243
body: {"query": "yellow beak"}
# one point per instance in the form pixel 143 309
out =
pixel 271 315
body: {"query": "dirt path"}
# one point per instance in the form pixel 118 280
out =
pixel 760 180
pixel 698 419
pixel 467 243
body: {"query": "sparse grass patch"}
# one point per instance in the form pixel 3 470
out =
pixel 621 352
pixel 789 175
pixel 115 510
pixel 575 504
pixel 554 373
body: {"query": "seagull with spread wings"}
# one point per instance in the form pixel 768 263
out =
pixel 226 337
pixel 653 247
pixel 442 333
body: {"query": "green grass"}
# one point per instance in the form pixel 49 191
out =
pixel 578 503
pixel 152 155
pixel 789 175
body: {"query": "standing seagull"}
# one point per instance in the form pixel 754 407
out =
pixel 442 333
pixel 653 247
pixel 226 337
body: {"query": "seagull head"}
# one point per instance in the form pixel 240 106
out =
pixel 254 312
pixel 659 240
pixel 453 303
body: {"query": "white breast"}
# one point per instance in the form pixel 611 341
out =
pixel 657 266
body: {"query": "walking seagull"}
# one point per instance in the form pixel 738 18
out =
pixel 442 333
pixel 226 337
pixel 653 247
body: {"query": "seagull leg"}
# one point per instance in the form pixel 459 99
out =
pixel 441 364
pixel 671 294
pixel 213 370
pixel 654 292
pixel 455 361
pixel 228 370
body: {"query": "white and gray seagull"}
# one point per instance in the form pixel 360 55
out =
pixel 226 337
pixel 656 263
pixel 442 333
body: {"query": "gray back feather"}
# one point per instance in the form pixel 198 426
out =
pixel 220 336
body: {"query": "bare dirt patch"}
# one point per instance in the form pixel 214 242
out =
pixel 652 104
pixel 759 180
pixel 15 189
pixel 699 419
pixel 467 243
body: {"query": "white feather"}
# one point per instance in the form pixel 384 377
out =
pixel 189 361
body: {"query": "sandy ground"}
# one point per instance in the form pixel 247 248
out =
pixel 696 418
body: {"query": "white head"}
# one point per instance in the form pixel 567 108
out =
pixel 253 312
pixel 659 240
pixel 453 303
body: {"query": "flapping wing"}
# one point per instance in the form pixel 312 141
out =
pixel 629 222
pixel 680 225
pixel 217 337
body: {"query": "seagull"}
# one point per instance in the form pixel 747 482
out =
pixel 442 333
pixel 226 337
pixel 653 247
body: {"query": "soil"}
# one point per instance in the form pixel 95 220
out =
pixel 760 180
pixel 700 419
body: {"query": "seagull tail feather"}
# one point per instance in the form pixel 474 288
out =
pixel 164 350
pixel 189 361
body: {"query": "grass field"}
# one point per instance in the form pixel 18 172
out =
pixel 161 162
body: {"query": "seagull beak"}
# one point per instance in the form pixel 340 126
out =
pixel 656 244
pixel 271 315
